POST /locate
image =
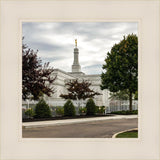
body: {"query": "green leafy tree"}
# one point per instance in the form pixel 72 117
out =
pixel 121 67
pixel 120 95
pixel 136 95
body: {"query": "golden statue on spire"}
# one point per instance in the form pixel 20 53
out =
pixel 76 42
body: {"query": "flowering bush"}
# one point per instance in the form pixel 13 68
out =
pixel 82 110
pixel 100 109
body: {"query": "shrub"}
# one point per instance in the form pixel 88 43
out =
pixel 100 109
pixel 135 111
pixel 60 111
pixel 29 112
pixel 125 112
pixel 91 107
pixel 42 110
pixel 69 109
pixel 82 110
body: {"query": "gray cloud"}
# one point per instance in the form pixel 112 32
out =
pixel 55 41
pixel 44 46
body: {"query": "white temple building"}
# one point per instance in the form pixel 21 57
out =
pixel 95 79
pixel 62 77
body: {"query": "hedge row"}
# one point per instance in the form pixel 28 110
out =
pixel 125 112
pixel 42 110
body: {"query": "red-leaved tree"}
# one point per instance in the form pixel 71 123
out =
pixel 37 79
pixel 79 90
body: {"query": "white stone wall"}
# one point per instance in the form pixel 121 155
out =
pixel 96 82
pixel 59 83
pixel 59 87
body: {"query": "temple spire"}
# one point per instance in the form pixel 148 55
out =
pixel 76 66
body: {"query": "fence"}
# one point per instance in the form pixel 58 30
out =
pixel 114 105
pixel 121 105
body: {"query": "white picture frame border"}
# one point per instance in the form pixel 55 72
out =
pixel 138 21
pixel 13 13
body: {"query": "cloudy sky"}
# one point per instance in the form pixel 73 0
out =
pixel 56 41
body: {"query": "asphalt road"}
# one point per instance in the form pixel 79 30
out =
pixel 95 129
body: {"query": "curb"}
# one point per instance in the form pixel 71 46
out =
pixel 114 136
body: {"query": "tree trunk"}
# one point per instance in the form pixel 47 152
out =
pixel 130 101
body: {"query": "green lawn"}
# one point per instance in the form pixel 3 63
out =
pixel 129 134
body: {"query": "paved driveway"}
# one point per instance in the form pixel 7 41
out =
pixel 95 129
